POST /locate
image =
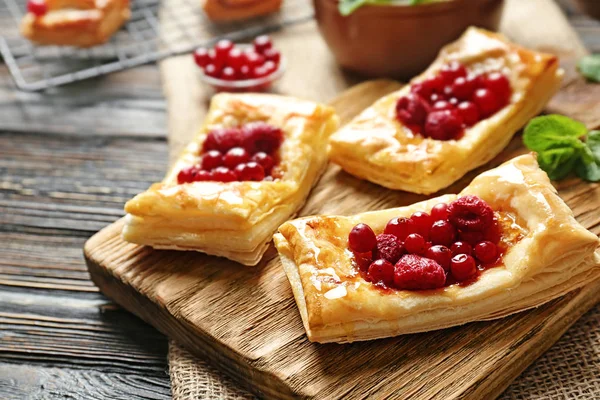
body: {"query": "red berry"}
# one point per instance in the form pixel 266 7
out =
pixel 412 109
pixel 461 248
pixel 388 248
pixel 381 271
pixel 188 174
pixel 251 171
pixel 37 7
pixel 440 254
pixel 363 260
pixel 439 211
pixel 262 43
pixel 443 125
pixel 362 239
pixel 201 57
pixel 428 87
pixel 421 223
pixel 463 267
pixel 211 160
pixel 223 174
pixel 272 55
pixel 222 139
pixel 493 233
pixel 469 113
pixel 451 71
pixel 470 213
pixel 400 227
pixel 486 102
pixel 270 66
pixel 260 136
pixel 222 49
pixel 211 70
pixel 442 232
pixel 245 72
pixel 415 244
pixel 453 101
pixel 260 72
pixel 435 98
pixel 471 238
pixel 265 160
pixel 486 252
pixel 442 105
pixel 235 58
pixel 228 74
pixel 414 272
pixel 463 88
pixel 498 84
pixel 253 59
pixel 235 156
pixel 217 60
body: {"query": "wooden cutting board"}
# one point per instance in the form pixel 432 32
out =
pixel 244 320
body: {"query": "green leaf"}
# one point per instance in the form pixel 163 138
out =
pixel 558 163
pixel 589 66
pixel 593 143
pixel 589 172
pixel 347 7
pixel 553 131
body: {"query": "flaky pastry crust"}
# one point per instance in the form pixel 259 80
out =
pixel 377 147
pixel 236 220
pixel 80 23
pixel 555 255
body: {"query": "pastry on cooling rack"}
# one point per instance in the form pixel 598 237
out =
pixel 505 244
pixel 233 10
pixel 80 23
pixel 459 114
pixel 249 169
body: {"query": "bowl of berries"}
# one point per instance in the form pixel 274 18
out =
pixel 231 67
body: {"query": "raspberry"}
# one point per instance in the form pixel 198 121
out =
pixel 439 211
pixel 222 139
pixel 440 254
pixel 260 136
pixel 362 238
pixel 388 248
pixel 381 271
pixel 415 244
pixel 442 232
pixel 486 252
pixel 412 110
pixel 400 227
pixel 363 260
pixel 414 272
pixel 461 248
pixel 463 267
pixel 471 214
pixel 443 125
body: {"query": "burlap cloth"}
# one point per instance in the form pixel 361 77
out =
pixel 569 370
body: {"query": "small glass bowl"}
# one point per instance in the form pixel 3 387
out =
pixel 247 85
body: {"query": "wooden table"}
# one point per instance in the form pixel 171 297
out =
pixel 69 159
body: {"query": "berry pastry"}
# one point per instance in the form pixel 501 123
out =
pixel 249 170
pixel 81 23
pixel 506 243
pixel 456 116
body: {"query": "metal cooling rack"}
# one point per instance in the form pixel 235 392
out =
pixel 141 40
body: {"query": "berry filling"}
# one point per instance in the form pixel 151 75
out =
pixel 246 153
pixel 443 106
pixel 450 245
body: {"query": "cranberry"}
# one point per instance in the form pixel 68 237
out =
pixel 37 7
pixel 470 213
pixel 211 160
pixel 443 125
pixel 486 102
pixel 435 98
pixel 486 252
pixel 415 244
pixel 453 101
pixel 262 43
pixel 222 49
pixel 463 267
pixel 428 87
pixel 211 70
pixel 188 174
pixel 260 72
pixel 412 109
pixel 471 237
pixel 499 85
pixel 388 248
pixel 260 136
pixel 451 71
pixel 265 160
pixel 400 227
pixel 222 139
pixel 236 156
pixel 413 272
pixel 228 74
pixel 442 232
pixel 463 88
pixel 251 171
pixel 381 271
pixel 461 248
pixel 493 233
pixel 442 105
pixel 439 211
pixel 217 61
pixel 469 113
pixel 201 57
pixel 441 255
pixel 235 58
pixel 245 72
pixel 362 238
pixel 223 174
pixel 363 260
pixel 253 59
pixel 272 55
pixel 270 66
pixel 421 223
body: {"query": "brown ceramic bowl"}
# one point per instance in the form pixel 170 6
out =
pixel 590 7
pixel 399 41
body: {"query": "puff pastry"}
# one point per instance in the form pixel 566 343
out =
pixel 236 220
pixel 376 147
pixel 234 10
pixel 555 255
pixel 80 23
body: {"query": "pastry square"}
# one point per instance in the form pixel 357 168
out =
pixel 80 23
pixel 386 145
pixel 236 219
pixel 547 254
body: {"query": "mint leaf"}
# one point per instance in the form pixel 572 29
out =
pixel 558 163
pixel 589 66
pixel 589 172
pixel 593 143
pixel 347 7
pixel 553 131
